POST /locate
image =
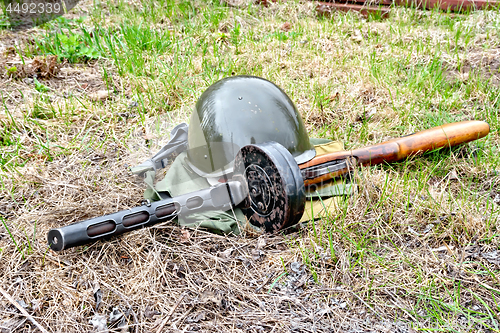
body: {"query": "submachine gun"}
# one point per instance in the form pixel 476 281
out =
pixel 268 185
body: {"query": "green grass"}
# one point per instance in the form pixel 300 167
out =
pixel 407 69
pixel 25 248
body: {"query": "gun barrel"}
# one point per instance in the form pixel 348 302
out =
pixel 111 225
pixel 219 197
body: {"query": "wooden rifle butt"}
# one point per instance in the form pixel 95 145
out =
pixel 394 150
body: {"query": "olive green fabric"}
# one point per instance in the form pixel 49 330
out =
pixel 325 200
pixel 180 179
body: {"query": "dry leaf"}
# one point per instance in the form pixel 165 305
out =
pixel 237 3
pixel 99 323
pixel 209 296
pixel 265 3
pixel 227 253
pixel 97 295
pixel 115 315
pixel 261 242
pixel 286 26
pixel 453 175
pixel 100 95
pixel 185 235
pixel 45 67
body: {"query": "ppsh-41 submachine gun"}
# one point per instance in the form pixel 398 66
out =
pixel 267 184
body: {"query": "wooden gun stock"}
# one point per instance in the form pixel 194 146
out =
pixel 318 169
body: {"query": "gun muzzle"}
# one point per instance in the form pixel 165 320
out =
pixel 219 197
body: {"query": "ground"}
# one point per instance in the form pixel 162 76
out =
pixel 415 248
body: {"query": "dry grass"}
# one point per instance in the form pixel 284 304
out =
pixel 415 249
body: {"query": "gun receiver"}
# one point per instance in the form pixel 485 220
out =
pixel 326 167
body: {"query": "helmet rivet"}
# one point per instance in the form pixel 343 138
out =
pixel 260 205
pixel 240 98
pixel 206 156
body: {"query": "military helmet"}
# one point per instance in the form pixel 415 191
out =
pixel 241 110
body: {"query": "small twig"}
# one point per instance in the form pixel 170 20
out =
pixel 266 280
pixel 366 304
pixel 399 306
pixel 164 322
pixel 181 318
pixel 355 295
pixel 23 311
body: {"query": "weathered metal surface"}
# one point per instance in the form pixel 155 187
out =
pixel 452 5
pixel 241 110
pixel 323 169
pixel 275 186
pixel 365 7
pixel 326 8
pixel 366 2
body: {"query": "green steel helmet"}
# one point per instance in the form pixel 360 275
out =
pixel 241 110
